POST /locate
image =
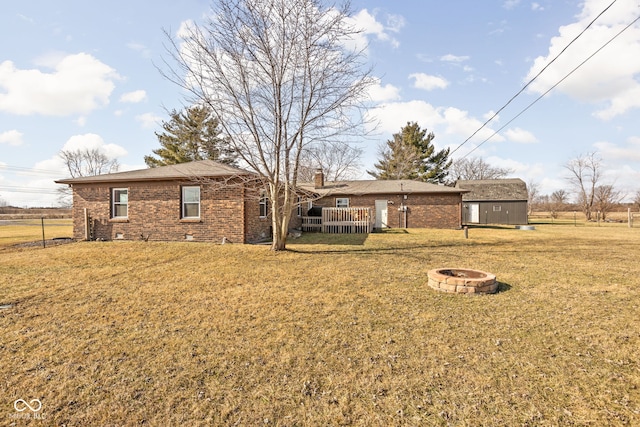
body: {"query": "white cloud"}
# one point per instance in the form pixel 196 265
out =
pixel 78 84
pixel 139 47
pixel 613 152
pixel 91 141
pixel 450 125
pixel 617 88
pixel 510 4
pixel 81 121
pixel 148 120
pixel 520 136
pixel 11 137
pixel 134 97
pixel 55 163
pixel 371 26
pixel 489 114
pixel 537 7
pixel 380 93
pixel 427 82
pixel 453 58
pixel 521 170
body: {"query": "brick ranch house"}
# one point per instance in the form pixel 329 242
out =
pixel 395 203
pixel 210 201
pixel 200 201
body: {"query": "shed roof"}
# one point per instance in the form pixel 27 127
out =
pixel 494 189
pixel 199 169
pixel 363 187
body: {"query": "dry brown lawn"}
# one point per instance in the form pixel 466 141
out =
pixel 340 330
pixel 30 230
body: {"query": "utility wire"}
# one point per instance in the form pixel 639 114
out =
pixel 29 170
pixel 554 86
pixel 531 81
pixel 37 190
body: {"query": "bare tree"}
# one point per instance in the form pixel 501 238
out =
pixel 533 193
pixel 636 200
pixel 476 168
pixel 88 162
pixel 558 201
pixel 279 78
pixel 84 162
pixel 606 197
pixel 338 162
pixel 585 173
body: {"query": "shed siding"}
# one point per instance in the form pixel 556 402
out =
pixel 510 212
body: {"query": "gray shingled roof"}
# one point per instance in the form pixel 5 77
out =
pixel 199 169
pixel 493 189
pixel 358 188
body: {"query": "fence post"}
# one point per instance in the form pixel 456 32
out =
pixel 44 244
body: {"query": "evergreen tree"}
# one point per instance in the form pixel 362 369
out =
pixel 410 154
pixel 192 134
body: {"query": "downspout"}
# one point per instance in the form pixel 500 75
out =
pixel 404 208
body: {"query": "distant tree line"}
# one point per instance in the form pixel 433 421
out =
pixel 587 191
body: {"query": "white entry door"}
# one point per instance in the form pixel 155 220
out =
pixel 474 212
pixel 381 214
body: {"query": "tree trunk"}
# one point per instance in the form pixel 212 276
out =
pixel 281 215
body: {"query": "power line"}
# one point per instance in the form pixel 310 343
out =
pixel 31 171
pixel 530 81
pixel 36 190
pixel 554 86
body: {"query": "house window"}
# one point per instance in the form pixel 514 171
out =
pixel 190 202
pixel 304 208
pixel 264 205
pixel 342 202
pixel 120 202
pixel 497 208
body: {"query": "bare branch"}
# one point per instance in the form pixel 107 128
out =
pixel 279 80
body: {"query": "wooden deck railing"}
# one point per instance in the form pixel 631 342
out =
pixel 312 223
pixel 341 221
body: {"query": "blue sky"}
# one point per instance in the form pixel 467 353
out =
pixel 83 74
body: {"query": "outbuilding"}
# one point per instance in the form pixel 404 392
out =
pixel 494 201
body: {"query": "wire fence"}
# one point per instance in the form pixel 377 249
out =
pixel 35 231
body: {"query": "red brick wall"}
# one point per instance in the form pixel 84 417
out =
pixel 424 210
pixel 154 212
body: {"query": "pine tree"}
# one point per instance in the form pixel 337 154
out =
pixel 192 134
pixel 410 154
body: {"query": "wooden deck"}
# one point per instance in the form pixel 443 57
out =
pixel 341 221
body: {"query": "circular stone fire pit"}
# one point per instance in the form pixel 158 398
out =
pixel 462 281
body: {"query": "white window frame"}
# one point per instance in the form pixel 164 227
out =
pixel 342 202
pixel 497 208
pixel 115 203
pixel 301 212
pixel 263 205
pixel 184 202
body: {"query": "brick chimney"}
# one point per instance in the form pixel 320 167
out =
pixel 319 178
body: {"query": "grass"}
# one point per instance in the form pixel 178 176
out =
pixel 337 331
pixel 28 230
